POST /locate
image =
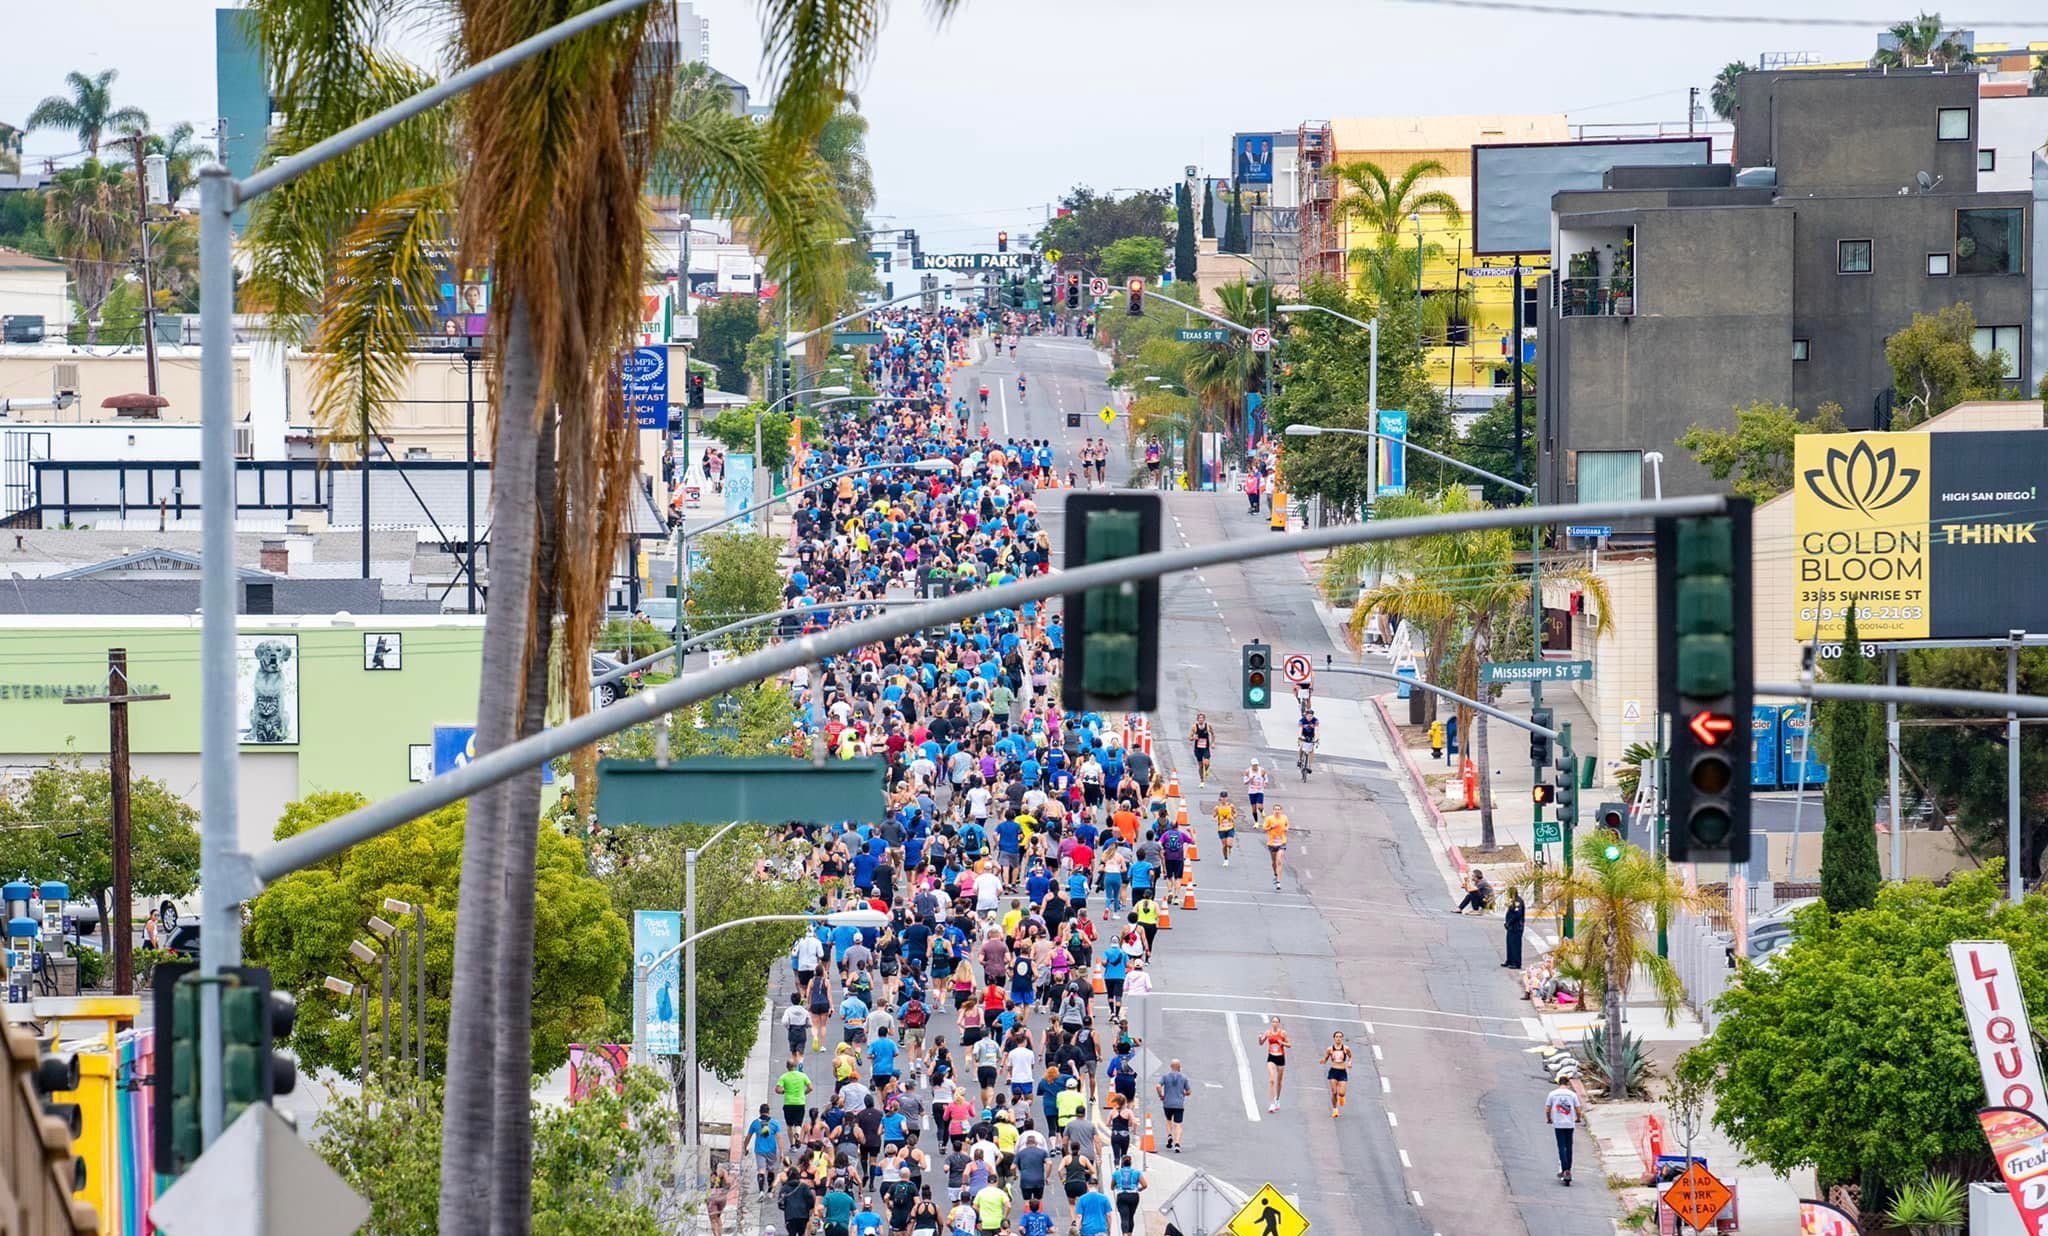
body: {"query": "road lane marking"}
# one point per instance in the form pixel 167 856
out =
pixel 1535 1029
pixel 1417 1196
pixel 1378 1054
pixel 1386 1086
pixel 1406 1161
pixel 1393 1120
pixel 1244 1068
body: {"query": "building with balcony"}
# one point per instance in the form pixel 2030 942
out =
pixel 1687 291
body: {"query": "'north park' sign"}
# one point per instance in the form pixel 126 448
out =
pixel 1929 535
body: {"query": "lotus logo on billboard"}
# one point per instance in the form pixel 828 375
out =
pixel 1925 532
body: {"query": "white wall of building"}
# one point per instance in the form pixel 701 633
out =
pixel 30 287
pixel 2015 128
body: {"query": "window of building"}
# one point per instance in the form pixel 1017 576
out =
pixel 1952 124
pixel 1852 257
pixel 1937 264
pixel 1987 160
pixel 1799 349
pixel 2004 340
pixel 1610 476
pixel 1990 242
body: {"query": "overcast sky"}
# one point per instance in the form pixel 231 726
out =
pixel 979 124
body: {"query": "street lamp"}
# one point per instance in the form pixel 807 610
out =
pixel 345 989
pixel 1314 431
pixel 418 914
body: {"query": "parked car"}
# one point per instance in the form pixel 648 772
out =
pixel 605 694
pixel 1768 933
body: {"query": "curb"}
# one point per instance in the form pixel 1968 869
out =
pixel 1436 816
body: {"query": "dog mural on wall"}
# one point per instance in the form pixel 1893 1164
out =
pixel 268 720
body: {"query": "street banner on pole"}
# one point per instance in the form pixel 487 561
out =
pixel 1999 1032
pixel 1392 448
pixel 1821 1219
pixel 656 932
pixel 739 488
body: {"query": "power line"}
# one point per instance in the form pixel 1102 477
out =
pixel 1715 19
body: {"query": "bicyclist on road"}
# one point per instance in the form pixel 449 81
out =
pixel 1305 741
pixel 1255 781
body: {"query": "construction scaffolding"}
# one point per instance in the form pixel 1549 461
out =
pixel 1322 240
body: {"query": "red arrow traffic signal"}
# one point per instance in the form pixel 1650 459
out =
pixel 1710 728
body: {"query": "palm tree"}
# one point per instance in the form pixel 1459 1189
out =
pixel 89 112
pixel 843 145
pixel 1922 41
pixel 1463 592
pixel 89 220
pixel 1619 901
pixel 1386 203
pixel 1722 94
pixel 1218 375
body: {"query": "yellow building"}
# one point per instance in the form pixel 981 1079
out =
pixel 1467 370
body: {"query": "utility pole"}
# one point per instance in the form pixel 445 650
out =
pixel 148 280
pixel 117 700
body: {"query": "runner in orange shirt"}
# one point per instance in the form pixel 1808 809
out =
pixel 1275 824
pixel 1126 822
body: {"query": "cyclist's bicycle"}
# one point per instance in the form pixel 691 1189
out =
pixel 1304 757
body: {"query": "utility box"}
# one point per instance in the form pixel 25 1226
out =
pixel 1992 1212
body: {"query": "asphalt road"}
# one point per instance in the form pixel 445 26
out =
pixel 1444 1131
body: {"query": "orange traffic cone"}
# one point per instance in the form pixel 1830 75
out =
pixel 1187 898
pixel 1173 786
pixel 1193 855
pixel 1097 976
pixel 1148 1144
pixel 1165 919
pixel 1180 815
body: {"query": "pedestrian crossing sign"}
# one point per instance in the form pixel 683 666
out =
pixel 1268 1214
pixel 1108 415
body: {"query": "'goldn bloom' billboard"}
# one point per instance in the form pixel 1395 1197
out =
pixel 1931 536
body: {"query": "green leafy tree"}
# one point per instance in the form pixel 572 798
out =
pixel 1092 222
pixel 1385 202
pixel 88 111
pixel 735 428
pixel 1233 229
pixel 301 927
pixel 21 223
pixel 1721 95
pixel 1489 443
pixel 1849 876
pixel 1183 236
pixel 1935 365
pixel 1208 210
pixel 1849 1053
pixel 1143 256
pixel 738 580
pixel 89 219
pixel 59 825
pixel 1758 451
pixel 1963 766
pixel 724 329
pixel 597 1162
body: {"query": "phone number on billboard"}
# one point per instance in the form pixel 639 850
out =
pixel 1865 613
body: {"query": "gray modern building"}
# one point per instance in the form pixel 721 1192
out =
pixel 1682 292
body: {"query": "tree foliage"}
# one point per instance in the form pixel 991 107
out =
pixel 1133 256
pixel 1722 94
pixel 1208 210
pixel 1922 40
pixel 1936 366
pixel 738 580
pixel 1849 875
pixel 1385 201
pixel 1757 453
pixel 1850 1051
pixel 88 111
pixel 734 427
pixel 724 329
pixel 59 825
pixel 301 927
pixel 89 219
pixel 1183 236
pixel 598 1163
pixel 1964 766
pixel 1092 222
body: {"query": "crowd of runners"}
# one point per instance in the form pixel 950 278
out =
pixel 968 1069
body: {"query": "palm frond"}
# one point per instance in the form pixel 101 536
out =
pixel 814 52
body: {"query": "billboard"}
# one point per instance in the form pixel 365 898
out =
pixel 1251 159
pixel 1512 183
pixel 1926 532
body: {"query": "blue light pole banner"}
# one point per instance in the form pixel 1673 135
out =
pixel 646 385
pixel 656 932
pixel 1392 446
pixel 739 487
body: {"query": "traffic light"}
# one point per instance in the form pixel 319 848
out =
pixel 1539 744
pixel 1112 632
pixel 1614 818
pixel 1257 675
pixel 1134 299
pixel 45 1172
pixel 254 1021
pixel 1706 679
pixel 1002 242
pixel 1074 291
pixel 1567 795
pixel 1540 793
pixel 788 386
pixel 694 384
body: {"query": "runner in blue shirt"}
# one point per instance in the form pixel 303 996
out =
pixel 1092 1213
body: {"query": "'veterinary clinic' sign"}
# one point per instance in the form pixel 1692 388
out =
pixel 1999 1032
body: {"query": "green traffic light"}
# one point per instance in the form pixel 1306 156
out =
pixel 1613 853
pixel 1258 695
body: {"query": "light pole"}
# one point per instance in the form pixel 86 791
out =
pixel 692 1090
pixel 395 938
pixel 418 912
pixel 345 989
pixel 366 955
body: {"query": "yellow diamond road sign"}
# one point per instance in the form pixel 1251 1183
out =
pixel 1268 1214
pixel 1053 256
pixel 1108 415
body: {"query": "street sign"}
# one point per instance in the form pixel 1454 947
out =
pixel 1054 256
pixel 769 789
pixel 864 338
pixel 1108 415
pixel 1298 669
pixel 1098 287
pixel 1201 334
pixel 1268 1214
pixel 646 386
pixel 1632 710
pixel 1696 1196
pixel 1262 339
pixel 259 1156
pixel 1549 832
pixel 1498 272
pixel 1537 671
pixel 975 261
pixel 1589 532
pixel 1200 1205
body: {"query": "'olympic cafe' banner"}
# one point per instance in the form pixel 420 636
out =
pixel 1932 535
